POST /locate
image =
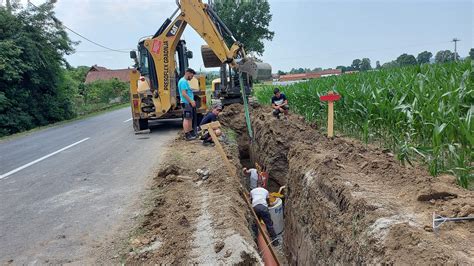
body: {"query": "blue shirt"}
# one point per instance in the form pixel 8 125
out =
pixel 184 85
pixel 279 101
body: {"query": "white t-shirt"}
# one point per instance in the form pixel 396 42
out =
pixel 259 196
pixel 253 178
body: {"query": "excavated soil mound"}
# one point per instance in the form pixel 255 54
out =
pixel 195 218
pixel 347 202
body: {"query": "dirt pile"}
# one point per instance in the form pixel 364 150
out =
pixel 195 220
pixel 351 203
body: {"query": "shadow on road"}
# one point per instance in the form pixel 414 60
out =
pixel 158 126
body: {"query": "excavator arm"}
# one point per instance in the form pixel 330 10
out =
pixel 162 47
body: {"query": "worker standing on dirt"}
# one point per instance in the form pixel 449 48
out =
pixel 208 118
pixel 189 105
pixel 279 103
pixel 253 177
pixel 260 201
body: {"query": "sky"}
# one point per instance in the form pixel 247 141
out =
pixel 308 34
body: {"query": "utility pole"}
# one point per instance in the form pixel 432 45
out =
pixel 455 40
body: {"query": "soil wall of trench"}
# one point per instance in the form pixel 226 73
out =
pixel 347 202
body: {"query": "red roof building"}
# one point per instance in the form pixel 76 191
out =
pixel 311 75
pixel 101 73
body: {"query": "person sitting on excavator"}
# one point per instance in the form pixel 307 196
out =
pixel 211 117
pixel 279 103
pixel 189 105
pixel 260 201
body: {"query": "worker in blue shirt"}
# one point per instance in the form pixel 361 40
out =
pixel 211 117
pixel 189 105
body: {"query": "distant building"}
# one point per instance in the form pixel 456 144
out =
pixel 311 75
pixel 101 73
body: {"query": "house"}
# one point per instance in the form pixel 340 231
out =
pixel 311 75
pixel 101 73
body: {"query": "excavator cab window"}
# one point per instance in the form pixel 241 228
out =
pixel 143 60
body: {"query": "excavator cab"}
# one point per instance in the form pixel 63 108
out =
pixel 148 82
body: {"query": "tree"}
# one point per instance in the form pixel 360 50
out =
pixel 444 56
pixel 33 91
pixel 248 21
pixel 317 69
pixel 281 73
pixel 424 57
pixel 390 64
pixel 356 64
pixel 342 68
pixel 471 53
pixel 377 65
pixel 365 64
pixel 406 60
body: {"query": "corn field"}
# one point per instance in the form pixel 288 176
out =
pixel 422 113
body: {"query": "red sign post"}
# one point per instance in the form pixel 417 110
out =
pixel 331 97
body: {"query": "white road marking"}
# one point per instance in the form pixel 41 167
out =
pixel 127 120
pixel 40 159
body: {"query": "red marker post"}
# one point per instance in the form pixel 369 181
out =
pixel 331 97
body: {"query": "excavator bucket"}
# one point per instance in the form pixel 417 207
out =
pixel 258 70
pixel 209 58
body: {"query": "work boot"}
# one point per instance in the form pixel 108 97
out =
pixel 188 136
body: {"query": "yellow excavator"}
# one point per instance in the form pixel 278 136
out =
pixel 163 58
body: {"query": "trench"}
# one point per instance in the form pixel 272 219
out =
pixel 334 212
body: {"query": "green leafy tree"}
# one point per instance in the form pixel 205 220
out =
pixel 365 64
pixel 32 91
pixel 390 64
pixel 248 21
pixel 471 53
pixel 444 56
pixel 424 57
pixel 356 64
pixel 377 65
pixel 342 68
pixel 281 73
pixel 406 60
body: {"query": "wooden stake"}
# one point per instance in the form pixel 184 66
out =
pixel 330 117
pixel 330 98
pixel 210 127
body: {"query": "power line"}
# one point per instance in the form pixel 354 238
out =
pixel 80 35
pixel 105 51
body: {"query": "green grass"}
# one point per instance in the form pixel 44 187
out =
pixel 91 113
pixel 420 112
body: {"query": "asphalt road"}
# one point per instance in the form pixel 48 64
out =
pixel 66 190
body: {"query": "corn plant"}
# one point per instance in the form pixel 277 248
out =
pixel 420 112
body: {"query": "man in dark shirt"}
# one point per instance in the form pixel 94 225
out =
pixel 279 103
pixel 210 117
